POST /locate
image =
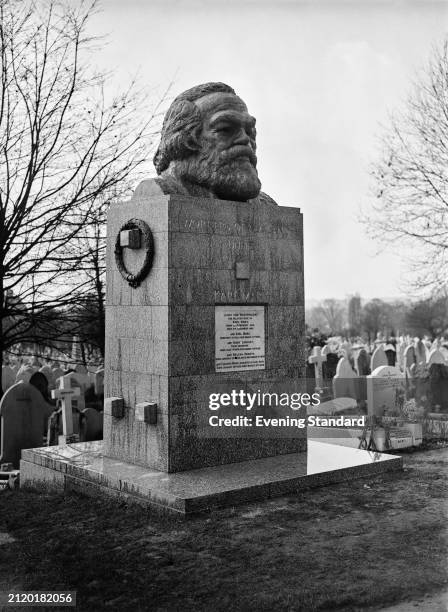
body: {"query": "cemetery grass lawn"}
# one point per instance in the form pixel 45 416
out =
pixel 359 545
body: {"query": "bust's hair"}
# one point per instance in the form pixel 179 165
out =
pixel 182 123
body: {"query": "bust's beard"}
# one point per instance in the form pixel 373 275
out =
pixel 226 175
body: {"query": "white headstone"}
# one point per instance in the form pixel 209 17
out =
pixel 436 356
pixel 346 349
pixel 385 391
pixel 344 382
pixel 409 358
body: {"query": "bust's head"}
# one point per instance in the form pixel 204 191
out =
pixel 208 141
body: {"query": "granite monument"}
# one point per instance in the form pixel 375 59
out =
pixel 204 292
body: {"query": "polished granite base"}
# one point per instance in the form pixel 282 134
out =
pixel 82 467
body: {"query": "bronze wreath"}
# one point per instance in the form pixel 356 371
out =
pixel 134 280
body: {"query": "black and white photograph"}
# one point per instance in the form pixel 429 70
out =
pixel 224 305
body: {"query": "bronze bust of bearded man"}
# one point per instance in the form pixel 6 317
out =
pixel 207 148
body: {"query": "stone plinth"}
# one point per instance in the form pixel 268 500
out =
pixel 160 336
pixel 82 467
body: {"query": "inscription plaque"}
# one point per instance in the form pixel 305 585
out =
pixel 239 338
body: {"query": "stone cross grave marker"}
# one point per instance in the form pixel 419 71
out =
pixel 317 358
pixel 66 394
pixel 379 358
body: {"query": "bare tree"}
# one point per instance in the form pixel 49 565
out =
pixel 376 317
pixel 428 317
pixel 411 179
pixel 64 148
pixel 87 253
pixel 333 312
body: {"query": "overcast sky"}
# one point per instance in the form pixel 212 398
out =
pixel 320 77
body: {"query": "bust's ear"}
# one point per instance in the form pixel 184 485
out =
pixel 192 141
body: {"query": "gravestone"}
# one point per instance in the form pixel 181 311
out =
pixel 81 375
pixel 346 349
pixel 90 425
pixel 71 381
pixel 50 376
pixel 437 386
pixel 317 358
pixel 400 348
pixel 67 394
pixel 362 363
pixel 23 418
pixel 420 352
pixel 8 377
pixel 436 356
pixel 345 381
pixel 391 354
pixel 57 373
pixel 14 369
pixel 40 381
pixel 385 391
pixel 25 372
pixel 409 357
pixel 330 364
pixel 379 358
pixel 99 382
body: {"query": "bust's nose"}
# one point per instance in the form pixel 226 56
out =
pixel 242 138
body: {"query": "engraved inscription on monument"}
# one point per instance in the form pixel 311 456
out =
pixel 239 338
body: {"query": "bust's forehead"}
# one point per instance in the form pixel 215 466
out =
pixel 220 101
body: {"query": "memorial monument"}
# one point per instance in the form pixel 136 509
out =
pixel 204 300
pixel 225 258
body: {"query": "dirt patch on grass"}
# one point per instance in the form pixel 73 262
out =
pixel 352 546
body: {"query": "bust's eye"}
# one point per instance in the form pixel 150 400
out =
pixel 225 129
